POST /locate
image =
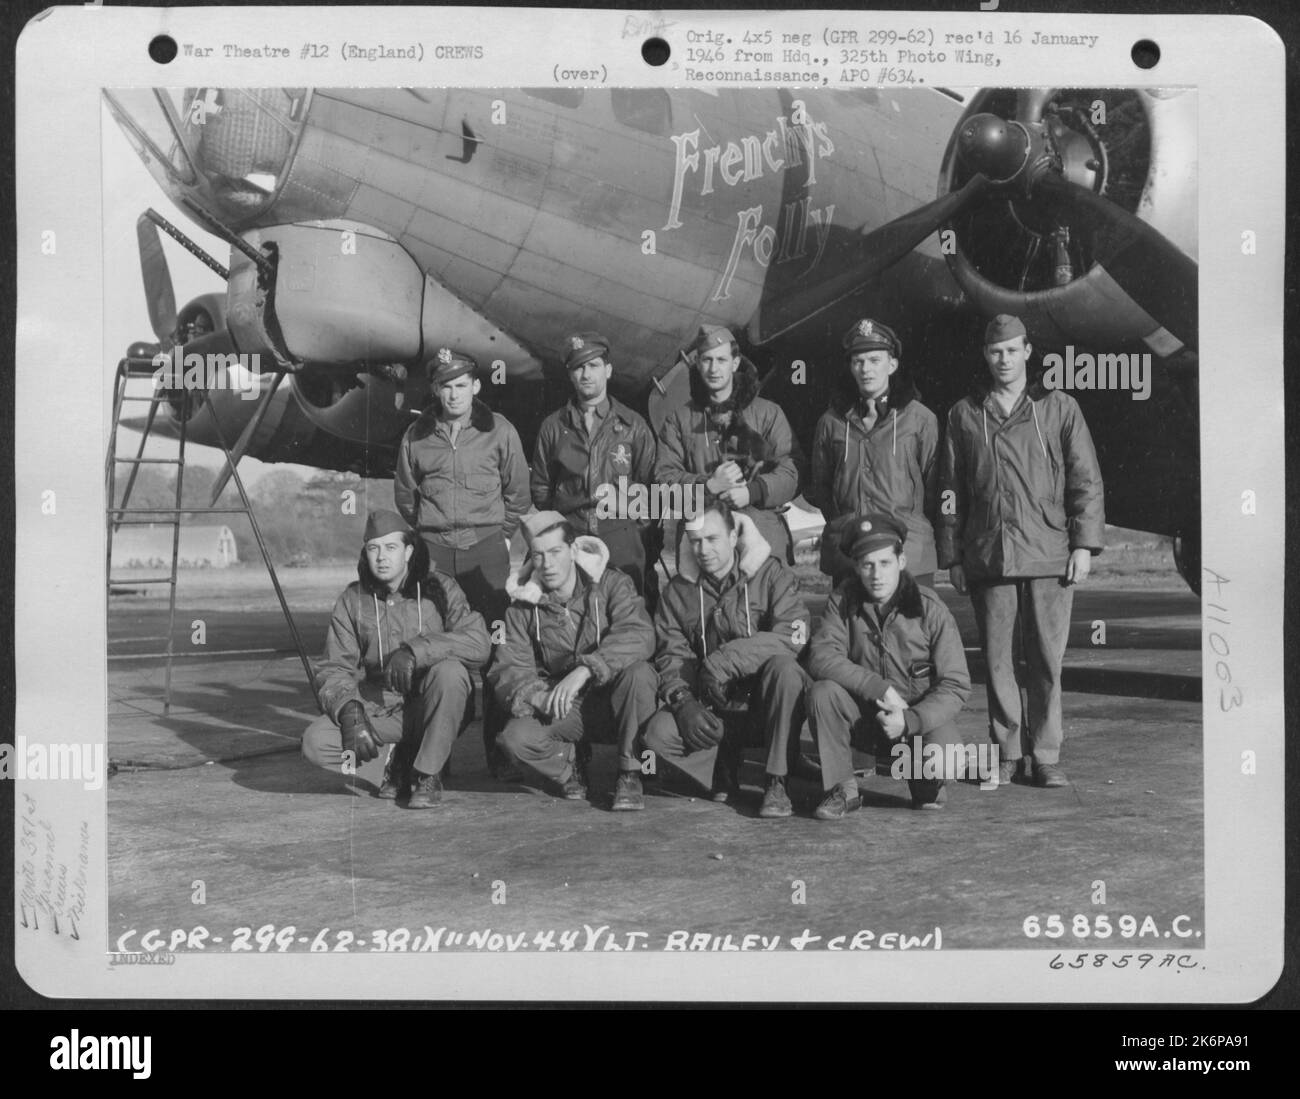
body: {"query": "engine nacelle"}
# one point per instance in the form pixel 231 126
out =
pixel 1007 259
pixel 341 294
pixel 347 310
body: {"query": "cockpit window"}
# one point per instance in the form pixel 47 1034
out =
pixel 646 109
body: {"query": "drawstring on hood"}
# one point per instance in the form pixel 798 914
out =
pixel 752 549
pixel 704 634
pixel 590 555
pixel 1042 445
pixel 982 389
pixel 1033 409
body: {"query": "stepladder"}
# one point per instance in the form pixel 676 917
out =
pixel 170 519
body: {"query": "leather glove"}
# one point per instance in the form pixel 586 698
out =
pixel 359 736
pixel 401 671
pixel 712 690
pixel 699 728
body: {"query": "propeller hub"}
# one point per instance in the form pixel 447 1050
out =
pixel 994 147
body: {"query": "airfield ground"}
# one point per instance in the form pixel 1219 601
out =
pixel 216 790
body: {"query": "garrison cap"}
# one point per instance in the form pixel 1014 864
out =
pixel 710 336
pixel 583 347
pixel 448 364
pixel 379 523
pixel 539 523
pixel 870 532
pixel 869 335
pixel 1004 327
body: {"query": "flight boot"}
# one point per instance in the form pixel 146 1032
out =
pixel 426 791
pixel 628 795
pixel 776 802
pixel 574 788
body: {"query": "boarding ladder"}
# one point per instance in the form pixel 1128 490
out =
pixel 118 515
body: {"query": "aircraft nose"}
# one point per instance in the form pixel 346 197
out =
pixel 244 140
pixel 227 147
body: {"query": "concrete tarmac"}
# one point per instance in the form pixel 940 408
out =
pixel 217 791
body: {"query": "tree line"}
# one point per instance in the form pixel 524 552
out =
pixel 311 520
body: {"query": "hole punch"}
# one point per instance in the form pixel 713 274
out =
pixel 162 49
pixel 1145 54
pixel 655 51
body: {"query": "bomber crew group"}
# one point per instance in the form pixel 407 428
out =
pixel 725 656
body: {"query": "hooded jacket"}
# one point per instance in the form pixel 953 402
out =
pixel 1026 489
pixel 430 616
pixel 917 650
pixel 755 615
pixel 459 495
pixel 892 467
pixel 759 440
pixel 568 467
pixel 603 626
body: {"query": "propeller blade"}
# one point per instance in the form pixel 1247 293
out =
pixel 1150 269
pixel 245 438
pixel 158 292
pixel 669 391
pixel 876 251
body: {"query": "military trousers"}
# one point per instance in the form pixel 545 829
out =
pixel 841 722
pixel 774 718
pixel 621 707
pixel 425 725
pixel 1041 608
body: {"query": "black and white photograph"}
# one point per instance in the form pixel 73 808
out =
pixel 397 261
pixel 754 512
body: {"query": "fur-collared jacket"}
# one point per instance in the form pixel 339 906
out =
pixel 694 441
pixel 916 649
pixel 893 467
pixel 1026 489
pixel 734 627
pixel 459 495
pixel 429 615
pixel 603 626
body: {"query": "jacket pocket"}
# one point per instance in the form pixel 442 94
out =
pixel 1053 515
pixel 920 678
pixel 480 483
pixel 436 484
